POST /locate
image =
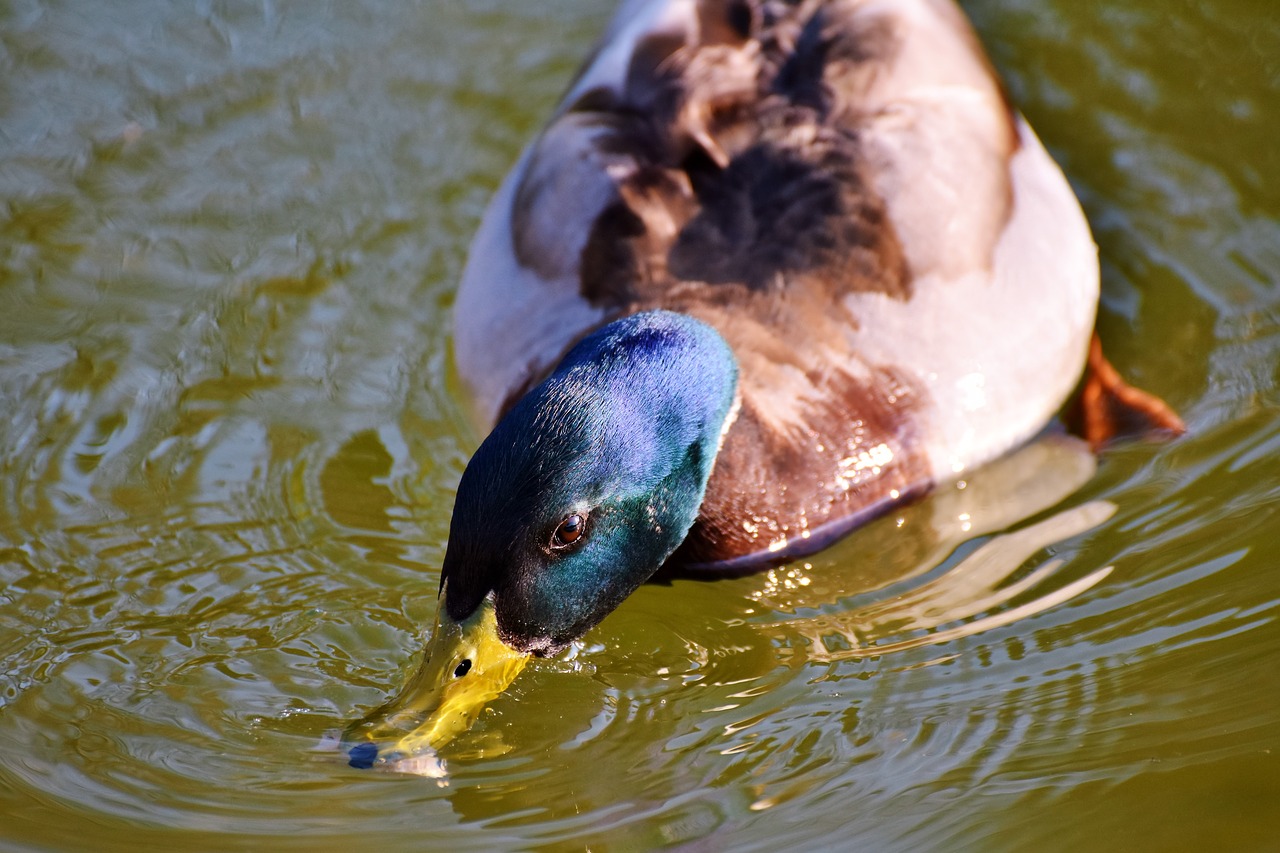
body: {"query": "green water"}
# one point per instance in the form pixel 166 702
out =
pixel 229 238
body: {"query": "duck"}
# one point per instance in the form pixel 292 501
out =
pixel 772 269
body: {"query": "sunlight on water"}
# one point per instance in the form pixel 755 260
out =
pixel 229 239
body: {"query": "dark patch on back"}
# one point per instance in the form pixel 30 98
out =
pixel 777 199
pixel 766 214
pixel 778 214
pixel 781 211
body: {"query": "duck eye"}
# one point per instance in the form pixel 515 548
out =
pixel 569 531
pixel 462 668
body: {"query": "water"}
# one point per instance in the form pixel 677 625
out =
pixel 229 236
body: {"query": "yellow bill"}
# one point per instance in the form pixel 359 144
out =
pixel 466 665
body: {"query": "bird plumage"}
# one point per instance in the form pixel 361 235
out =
pixel 842 190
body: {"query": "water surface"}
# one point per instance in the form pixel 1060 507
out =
pixel 229 238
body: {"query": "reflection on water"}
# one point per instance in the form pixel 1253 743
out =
pixel 228 240
pixel 903 612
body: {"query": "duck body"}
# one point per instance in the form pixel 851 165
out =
pixel 771 269
pixel 843 192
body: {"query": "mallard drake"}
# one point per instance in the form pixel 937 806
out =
pixel 771 269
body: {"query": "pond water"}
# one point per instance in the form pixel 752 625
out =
pixel 229 238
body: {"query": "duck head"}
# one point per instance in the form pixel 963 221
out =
pixel 581 492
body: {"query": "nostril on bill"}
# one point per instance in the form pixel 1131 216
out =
pixel 362 755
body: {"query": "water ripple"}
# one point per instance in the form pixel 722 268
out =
pixel 228 243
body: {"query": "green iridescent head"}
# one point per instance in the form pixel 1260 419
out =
pixel 591 480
